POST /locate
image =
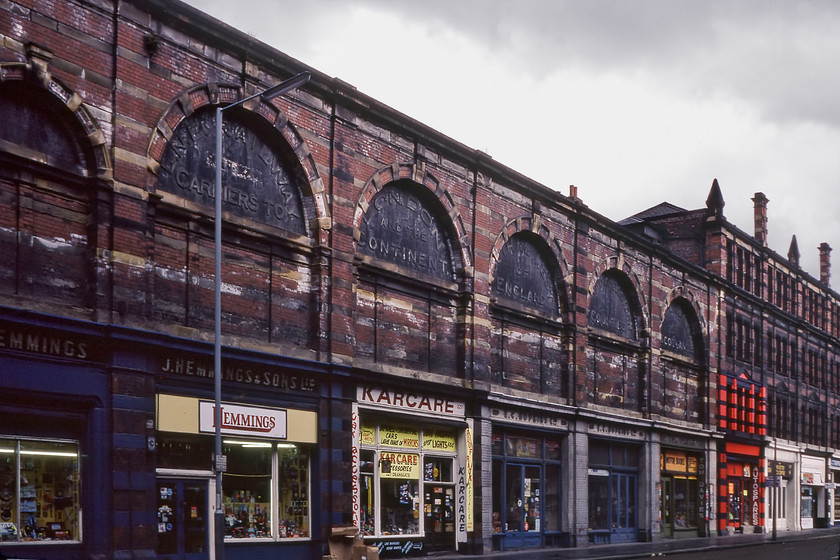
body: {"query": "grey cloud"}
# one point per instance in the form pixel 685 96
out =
pixel 781 57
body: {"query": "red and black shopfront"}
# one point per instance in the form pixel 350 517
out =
pixel 742 415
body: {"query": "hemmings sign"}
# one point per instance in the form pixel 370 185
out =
pixel 243 420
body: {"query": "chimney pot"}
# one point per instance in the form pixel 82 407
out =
pixel 760 217
pixel 825 263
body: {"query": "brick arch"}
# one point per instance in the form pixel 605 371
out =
pixel 90 134
pixel 619 265
pixel 417 174
pixel 533 225
pixel 212 94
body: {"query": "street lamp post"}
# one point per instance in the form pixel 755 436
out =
pixel 219 462
pixel 776 485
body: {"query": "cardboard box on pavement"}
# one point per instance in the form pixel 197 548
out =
pixel 342 540
pixel 363 552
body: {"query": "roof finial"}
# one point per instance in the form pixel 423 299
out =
pixel 714 202
pixel 793 252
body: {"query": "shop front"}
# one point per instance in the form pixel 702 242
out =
pixel 741 488
pixel 613 480
pixel 813 505
pixel 53 390
pixel 412 472
pixel 780 483
pixel 683 493
pixel 527 451
pixel 834 463
pixel 267 484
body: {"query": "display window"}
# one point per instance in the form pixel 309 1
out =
pixel 528 469
pixel 680 490
pixel 743 494
pixel 613 492
pixel 262 476
pixel 407 481
pixel 39 490
pixel 807 502
pixel 265 489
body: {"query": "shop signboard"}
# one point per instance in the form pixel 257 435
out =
pixel 675 462
pixel 756 496
pixel 398 548
pixel 400 465
pixel 401 401
pixel 367 435
pixel 399 436
pixel 439 441
pixel 243 420
pixel 781 469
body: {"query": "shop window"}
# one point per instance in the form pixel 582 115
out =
pixel 599 500
pixel 247 489
pixel 551 502
pixel 400 494
pixel 39 490
pixel 523 447
pixel 262 477
pixel 407 482
pixel 368 493
pixel 807 502
pixel 685 502
pixel 613 487
pixel 527 470
pixel 293 494
pixel 257 473
pixel 523 498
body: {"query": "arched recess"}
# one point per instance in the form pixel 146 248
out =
pixel 529 310
pixel 618 340
pixel 275 220
pixel 686 298
pixel 682 360
pixel 412 267
pixel 548 246
pixel 417 174
pixel 632 286
pixel 47 122
pixel 194 108
pixel 53 166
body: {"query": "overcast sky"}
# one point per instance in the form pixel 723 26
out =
pixel 634 101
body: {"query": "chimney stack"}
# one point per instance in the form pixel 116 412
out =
pixel 760 215
pixel 825 263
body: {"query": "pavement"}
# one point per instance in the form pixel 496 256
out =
pixel 626 551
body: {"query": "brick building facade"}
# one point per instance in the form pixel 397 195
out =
pixel 417 341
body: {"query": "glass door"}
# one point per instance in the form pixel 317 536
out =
pixel 667 504
pixel 524 511
pixel 182 527
pixel 624 510
pixel 440 521
pixel 735 502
